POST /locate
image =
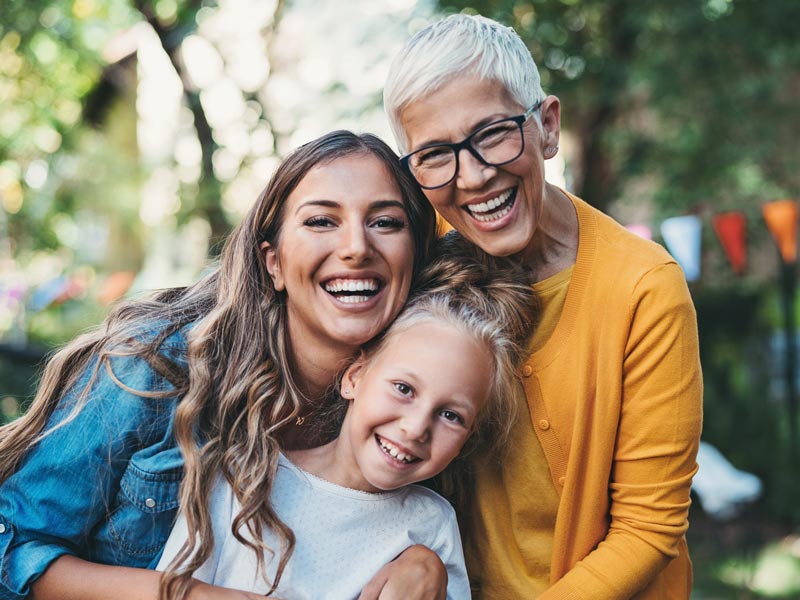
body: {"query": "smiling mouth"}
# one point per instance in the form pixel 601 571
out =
pixel 395 452
pixel 352 291
pixel 493 209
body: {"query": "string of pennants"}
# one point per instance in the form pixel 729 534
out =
pixel 682 235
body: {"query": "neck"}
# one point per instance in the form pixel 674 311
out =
pixel 315 376
pixel 319 461
pixel 316 366
pixel 333 462
pixel 554 245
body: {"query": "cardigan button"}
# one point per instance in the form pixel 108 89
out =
pixel 544 424
pixel 527 370
pixel 562 480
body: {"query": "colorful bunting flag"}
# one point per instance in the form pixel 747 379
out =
pixel 731 229
pixel 781 218
pixel 641 230
pixel 682 237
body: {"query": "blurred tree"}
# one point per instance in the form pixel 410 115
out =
pixel 50 61
pixel 57 87
pixel 695 99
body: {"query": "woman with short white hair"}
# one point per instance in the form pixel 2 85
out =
pixel 592 498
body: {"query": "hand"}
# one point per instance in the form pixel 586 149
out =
pixel 417 574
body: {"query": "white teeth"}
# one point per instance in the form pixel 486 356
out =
pixel 477 210
pixel 493 216
pixel 353 299
pixel 352 285
pixel 393 451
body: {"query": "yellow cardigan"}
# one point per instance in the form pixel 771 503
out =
pixel 615 398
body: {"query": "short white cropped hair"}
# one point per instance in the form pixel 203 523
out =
pixel 455 46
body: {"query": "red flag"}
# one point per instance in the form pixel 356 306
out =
pixel 731 228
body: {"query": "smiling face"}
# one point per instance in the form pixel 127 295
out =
pixel 496 208
pixel 414 404
pixel 344 255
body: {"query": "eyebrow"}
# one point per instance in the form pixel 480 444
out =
pixel 375 205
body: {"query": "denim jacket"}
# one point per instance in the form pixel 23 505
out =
pixel 103 486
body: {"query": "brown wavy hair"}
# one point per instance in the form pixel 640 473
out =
pixel 238 391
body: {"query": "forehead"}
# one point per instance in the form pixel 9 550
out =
pixel 351 178
pixel 449 361
pixel 454 110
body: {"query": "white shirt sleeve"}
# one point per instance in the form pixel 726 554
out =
pixel 222 505
pixel 448 547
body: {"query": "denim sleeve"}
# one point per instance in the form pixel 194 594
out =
pixel 62 492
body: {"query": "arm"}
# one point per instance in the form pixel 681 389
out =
pixel 656 445
pixel 417 573
pixel 420 572
pixel 62 491
pixel 70 578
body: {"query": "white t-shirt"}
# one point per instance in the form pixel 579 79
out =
pixel 343 537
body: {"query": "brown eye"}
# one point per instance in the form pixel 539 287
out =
pixel 451 416
pixel 403 388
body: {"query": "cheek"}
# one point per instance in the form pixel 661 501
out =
pixel 438 198
pixel 452 443
pixel 400 254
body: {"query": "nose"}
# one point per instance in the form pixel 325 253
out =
pixel 416 425
pixel 472 173
pixel 354 244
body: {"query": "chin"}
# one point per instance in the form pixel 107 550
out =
pixel 357 337
pixel 499 247
pixel 506 243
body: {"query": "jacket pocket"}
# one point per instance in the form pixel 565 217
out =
pixel 146 507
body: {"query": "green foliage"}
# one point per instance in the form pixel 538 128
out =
pixel 70 170
pixel 50 62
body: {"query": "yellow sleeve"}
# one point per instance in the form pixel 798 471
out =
pixel 657 441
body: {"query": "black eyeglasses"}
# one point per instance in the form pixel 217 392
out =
pixel 494 144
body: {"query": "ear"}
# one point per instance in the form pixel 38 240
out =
pixel 273 264
pixel 351 378
pixel 551 126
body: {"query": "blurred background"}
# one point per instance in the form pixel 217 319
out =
pixel 134 134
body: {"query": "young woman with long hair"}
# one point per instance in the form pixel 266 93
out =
pixel 137 417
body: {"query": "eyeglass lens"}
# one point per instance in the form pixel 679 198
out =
pixel 496 144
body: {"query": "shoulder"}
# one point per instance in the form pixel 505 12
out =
pixel 432 504
pixel 613 241
pixel 152 359
pixel 619 260
pixel 125 387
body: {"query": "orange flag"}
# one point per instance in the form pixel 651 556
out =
pixel 781 218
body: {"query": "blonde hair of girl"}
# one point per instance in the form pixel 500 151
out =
pixel 486 298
